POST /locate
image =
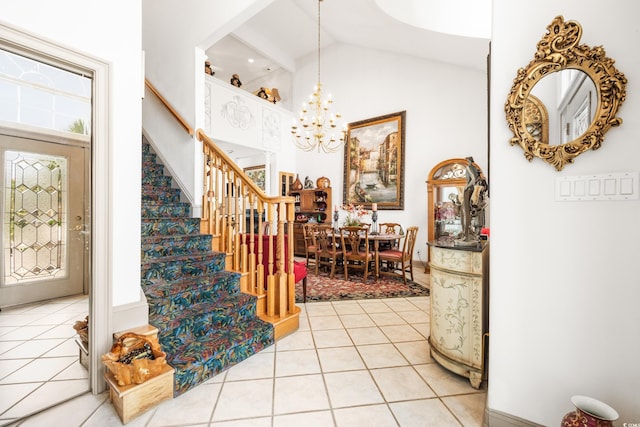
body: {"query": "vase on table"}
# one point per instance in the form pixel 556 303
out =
pixel 589 412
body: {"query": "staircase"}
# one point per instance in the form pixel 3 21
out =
pixel 205 324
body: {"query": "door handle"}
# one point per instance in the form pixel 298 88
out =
pixel 78 227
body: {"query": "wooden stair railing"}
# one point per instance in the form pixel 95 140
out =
pixel 237 210
pixel 169 107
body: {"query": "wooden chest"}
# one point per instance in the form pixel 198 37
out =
pixel 132 400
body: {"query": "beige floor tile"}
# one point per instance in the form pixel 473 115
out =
pixel 74 372
pixel 299 394
pixel 428 412
pixel 351 389
pixel 331 338
pixel 468 408
pixel 319 323
pixel 258 366
pixel 414 316
pixel 31 349
pixel 347 307
pixel 356 320
pixel 444 382
pixel 422 328
pixel 28 332
pixel 12 393
pixel 363 336
pixel 60 331
pixel 247 422
pixel 401 333
pixel 39 370
pixel 375 306
pixel 340 359
pixel 10 365
pixel 416 352
pixel 299 340
pixel 306 419
pixel 10 319
pixel 194 407
pixel 384 319
pixel 370 415
pixel 48 394
pixel 399 304
pixel 106 415
pixel 299 362
pixel 70 414
pixel 403 383
pixel 320 309
pixel 232 403
pixel 381 356
pixel 68 348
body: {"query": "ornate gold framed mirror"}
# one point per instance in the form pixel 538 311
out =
pixel 564 101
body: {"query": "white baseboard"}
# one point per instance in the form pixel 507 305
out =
pixel 493 418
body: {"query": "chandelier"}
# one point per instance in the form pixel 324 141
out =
pixel 317 128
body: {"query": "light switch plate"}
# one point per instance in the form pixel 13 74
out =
pixel 606 186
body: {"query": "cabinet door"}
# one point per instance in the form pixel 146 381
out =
pixel 456 316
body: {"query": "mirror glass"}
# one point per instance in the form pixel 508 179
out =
pixel 569 98
pixel 566 99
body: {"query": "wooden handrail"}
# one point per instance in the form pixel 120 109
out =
pixel 169 107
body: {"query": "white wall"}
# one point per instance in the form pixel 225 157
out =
pixel 174 39
pixel 446 116
pixel 89 28
pixel 564 315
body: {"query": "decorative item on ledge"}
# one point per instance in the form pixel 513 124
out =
pixel 134 358
pixel 235 80
pixel 589 412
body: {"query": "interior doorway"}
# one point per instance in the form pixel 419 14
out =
pixel 46 143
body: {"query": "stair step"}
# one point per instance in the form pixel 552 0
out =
pixel 198 318
pixel 175 268
pixel 170 195
pixel 175 245
pixel 165 210
pixel 153 169
pixel 170 226
pixel 161 181
pixel 197 361
pixel 223 283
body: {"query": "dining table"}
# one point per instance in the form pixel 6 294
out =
pixel 377 238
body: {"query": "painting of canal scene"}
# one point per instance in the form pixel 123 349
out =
pixel 374 162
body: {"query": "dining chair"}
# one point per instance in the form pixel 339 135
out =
pixel 400 262
pixel 355 250
pixel 327 251
pixel 309 231
pixel 389 228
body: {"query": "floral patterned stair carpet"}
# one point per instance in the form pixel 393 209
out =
pixel 205 325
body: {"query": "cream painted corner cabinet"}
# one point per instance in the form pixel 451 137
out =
pixel 459 308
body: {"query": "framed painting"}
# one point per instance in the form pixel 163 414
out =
pixel 374 162
pixel 257 175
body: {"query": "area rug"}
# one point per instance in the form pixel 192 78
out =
pixel 322 288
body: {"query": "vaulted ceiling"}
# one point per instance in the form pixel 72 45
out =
pixel 286 30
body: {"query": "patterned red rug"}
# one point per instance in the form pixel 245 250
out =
pixel 322 288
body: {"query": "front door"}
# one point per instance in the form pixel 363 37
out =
pixel 43 227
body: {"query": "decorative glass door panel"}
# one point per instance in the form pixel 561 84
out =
pixel 43 227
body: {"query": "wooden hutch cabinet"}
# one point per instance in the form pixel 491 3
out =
pixel 312 205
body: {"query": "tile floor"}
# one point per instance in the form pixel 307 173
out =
pixel 39 356
pixel 351 363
